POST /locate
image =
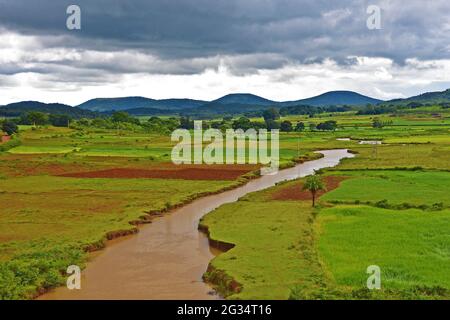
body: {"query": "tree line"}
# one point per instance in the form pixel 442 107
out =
pixel 121 120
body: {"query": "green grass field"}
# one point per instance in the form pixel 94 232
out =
pixel 397 187
pixel 411 247
pixel 268 236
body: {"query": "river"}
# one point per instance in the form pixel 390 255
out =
pixel 167 258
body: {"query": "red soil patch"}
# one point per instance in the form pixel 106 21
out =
pixel 182 173
pixel 31 168
pixel 5 139
pixel 295 192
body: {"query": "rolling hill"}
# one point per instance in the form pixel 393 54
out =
pixel 147 112
pixel 18 108
pixel 125 103
pixel 348 98
pixel 231 103
pixel 237 103
pixel 243 99
pixel 244 102
pixel 427 97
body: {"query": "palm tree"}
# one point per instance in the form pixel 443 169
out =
pixel 314 183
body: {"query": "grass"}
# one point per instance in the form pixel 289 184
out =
pixel 428 156
pixel 411 247
pixel 397 187
pixel 41 150
pixel 273 246
pixel 442 138
pixel 83 210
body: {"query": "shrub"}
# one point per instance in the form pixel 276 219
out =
pixel 382 204
pixel 10 127
pixel 14 142
pixel 437 206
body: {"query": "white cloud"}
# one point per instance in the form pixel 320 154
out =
pixel 31 71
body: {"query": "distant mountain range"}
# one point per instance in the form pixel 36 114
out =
pixel 231 102
pixel 237 103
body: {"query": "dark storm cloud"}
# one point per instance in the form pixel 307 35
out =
pixel 188 36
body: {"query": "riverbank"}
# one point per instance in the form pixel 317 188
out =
pixel 167 258
pixel 136 224
pixel 269 247
pixel 78 216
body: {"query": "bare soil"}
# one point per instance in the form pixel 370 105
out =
pixel 5 139
pixel 295 192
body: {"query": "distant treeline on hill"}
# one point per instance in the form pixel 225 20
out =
pixel 230 105
pixel 19 108
pixel 303 110
pixel 121 120
pixel 60 115
pixel 392 108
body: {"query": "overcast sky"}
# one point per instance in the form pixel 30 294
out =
pixel 203 49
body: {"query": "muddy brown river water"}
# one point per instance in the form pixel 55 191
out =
pixel 167 258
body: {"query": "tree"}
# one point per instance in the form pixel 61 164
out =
pixel 101 123
pixel 10 127
pixel 83 122
pixel 272 124
pixel 59 120
pixel 414 105
pixel 242 123
pixel 313 184
pixel 186 123
pixel 300 126
pixel 312 126
pixel 271 114
pixel 377 123
pixel 37 118
pixel 121 116
pixel 286 126
pixel 216 124
pixel 330 125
